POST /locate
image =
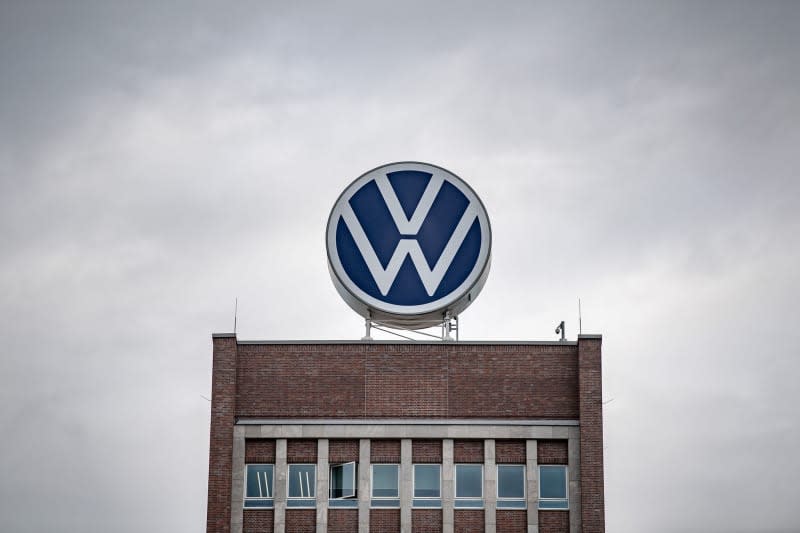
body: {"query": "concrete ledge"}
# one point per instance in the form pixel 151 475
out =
pixel 590 337
pixel 439 343
pixel 403 422
pixel 223 335
pixel 397 431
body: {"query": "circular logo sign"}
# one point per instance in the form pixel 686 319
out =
pixel 409 243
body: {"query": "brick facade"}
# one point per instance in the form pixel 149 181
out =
pixel 384 451
pixel 426 521
pixel 342 520
pixel 468 451
pixel 389 381
pixel 468 521
pixel 510 452
pixel 552 452
pixel 384 520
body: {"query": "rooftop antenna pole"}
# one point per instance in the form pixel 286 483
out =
pixel 580 323
pixel 235 313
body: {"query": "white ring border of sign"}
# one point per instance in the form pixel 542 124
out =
pixel 476 277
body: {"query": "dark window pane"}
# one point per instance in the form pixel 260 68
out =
pixel 384 481
pixel 511 481
pixel 302 481
pixel 469 482
pixel 426 481
pixel 552 482
pixel 259 481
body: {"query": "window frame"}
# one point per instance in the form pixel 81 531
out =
pixel 355 481
pixel 301 501
pixel 425 502
pixel 464 499
pixel 269 500
pixel 383 502
pixel 504 499
pixel 565 500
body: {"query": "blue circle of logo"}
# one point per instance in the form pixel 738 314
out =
pixel 409 239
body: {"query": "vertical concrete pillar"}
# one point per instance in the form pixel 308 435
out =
pixel 489 486
pixel 223 407
pixel 532 488
pixel 364 489
pixel 406 485
pixel 280 488
pixel 322 485
pixel 590 401
pixel 237 477
pixel 448 487
pixel 574 473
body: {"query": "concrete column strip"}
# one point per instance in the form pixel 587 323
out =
pixel 322 485
pixel 406 485
pixel 448 487
pixel 532 468
pixel 364 489
pixel 574 473
pixel 237 480
pixel 280 487
pixel 489 486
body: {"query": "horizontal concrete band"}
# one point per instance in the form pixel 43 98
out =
pixel 243 421
pixel 379 430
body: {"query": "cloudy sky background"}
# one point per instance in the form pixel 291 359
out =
pixel 157 161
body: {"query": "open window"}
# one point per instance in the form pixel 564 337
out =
pixel 343 485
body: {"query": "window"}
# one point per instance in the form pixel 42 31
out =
pixel 302 485
pixel 553 487
pixel 258 486
pixel 469 486
pixel 511 487
pixel 385 486
pixel 427 486
pixel 343 485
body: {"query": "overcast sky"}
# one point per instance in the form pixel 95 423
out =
pixel 159 159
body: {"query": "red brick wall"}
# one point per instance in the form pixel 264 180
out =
pixel 511 521
pixel 552 452
pixel 343 521
pixel 591 430
pixel 223 394
pixel 426 451
pixel 556 522
pixel 384 520
pixel 513 381
pixel 301 520
pixel 510 452
pixel 301 451
pixel 259 451
pixel 471 521
pixel 258 521
pixel 426 520
pixel 384 451
pixel 407 380
pixel 468 451
pixel 343 451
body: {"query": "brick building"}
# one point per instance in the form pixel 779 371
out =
pixel 401 436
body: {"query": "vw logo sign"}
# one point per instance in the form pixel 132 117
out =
pixel 409 243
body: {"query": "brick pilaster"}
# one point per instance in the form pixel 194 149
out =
pixel 223 406
pixel 590 397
